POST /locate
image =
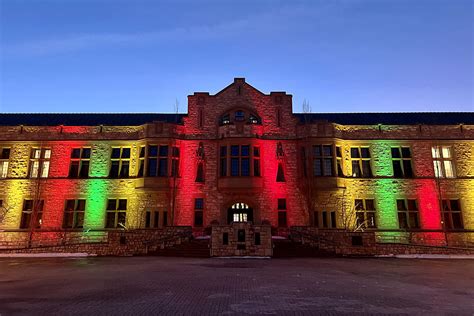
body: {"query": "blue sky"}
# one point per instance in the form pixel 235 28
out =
pixel 140 56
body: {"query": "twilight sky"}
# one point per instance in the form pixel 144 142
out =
pixel 140 56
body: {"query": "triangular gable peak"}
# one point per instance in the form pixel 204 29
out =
pixel 205 111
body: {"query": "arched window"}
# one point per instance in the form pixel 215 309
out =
pixel 239 116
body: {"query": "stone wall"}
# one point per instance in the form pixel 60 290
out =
pixel 108 243
pixel 247 245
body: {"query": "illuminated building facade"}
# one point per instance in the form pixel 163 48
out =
pixel 239 155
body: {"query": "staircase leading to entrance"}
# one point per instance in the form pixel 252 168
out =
pixel 287 248
pixel 196 248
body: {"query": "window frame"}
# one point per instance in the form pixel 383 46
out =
pixel 117 212
pixel 360 162
pixel 322 159
pixel 227 160
pixel 42 162
pixel 406 212
pixel 367 213
pixel 440 161
pixel 75 214
pixel 401 160
pixel 4 162
pixel 121 162
pixel 80 161
pixel 447 212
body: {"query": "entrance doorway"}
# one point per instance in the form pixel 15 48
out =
pixel 239 212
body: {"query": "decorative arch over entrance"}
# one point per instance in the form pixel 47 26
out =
pixel 239 212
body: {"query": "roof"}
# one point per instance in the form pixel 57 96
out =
pixel 87 119
pixel 134 119
pixel 405 118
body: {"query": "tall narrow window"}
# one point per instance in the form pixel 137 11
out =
pixel 175 162
pixel 198 212
pixel 141 162
pixel 452 214
pixel 365 213
pixel 282 213
pixel 325 219
pixel 39 162
pixel 32 214
pixel 80 160
pixel 165 218
pixel 200 118
pixel 280 173
pixel 340 169
pixel 152 218
pixel 443 162
pixel 120 162
pixel 4 161
pixel 401 162
pixel 323 160
pixel 278 117
pixel 303 162
pixel 360 158
pixel 256 161
pixel 223 165
pixel 74 214
pixel 116 213
pixel 407 214
pixel 200 172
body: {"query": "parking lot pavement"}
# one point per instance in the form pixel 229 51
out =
pixel 186 286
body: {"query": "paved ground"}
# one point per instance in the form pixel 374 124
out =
pixel 153 285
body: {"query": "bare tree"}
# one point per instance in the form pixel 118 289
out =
pixel 4 210
pixel 174 166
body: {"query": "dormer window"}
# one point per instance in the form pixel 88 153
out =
pixel 239 116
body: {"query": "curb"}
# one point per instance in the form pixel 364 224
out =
pixel 47 255
pixel 428 256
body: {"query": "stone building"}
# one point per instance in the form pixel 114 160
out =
pixel 239 156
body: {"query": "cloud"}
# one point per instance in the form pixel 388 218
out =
pixel 273 22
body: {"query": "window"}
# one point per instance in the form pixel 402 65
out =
pixel 116 213
pixel 152 219
pixel 225 119
pixel 32 213
pixel 4 160
pixel 141 162
pixel 165 218
pixel 157 161
pixel 303 162
pixel 443 162
pixel 253 119
pixel 365 213
pixel 323 160
pixel 120 162
pixel 240 159
pixel 175 162
pixel 282 213
pixel 452 214
pixel 239 116
pixel 80 159
pixel 256 161
pixel 198 212
pixel 200 172
pixel 340 169
pixel 360 158
pixel 39 162
pixel 407 214
pixel 325 219
pixel 401 162
pixel 74 214
pixel 280 174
